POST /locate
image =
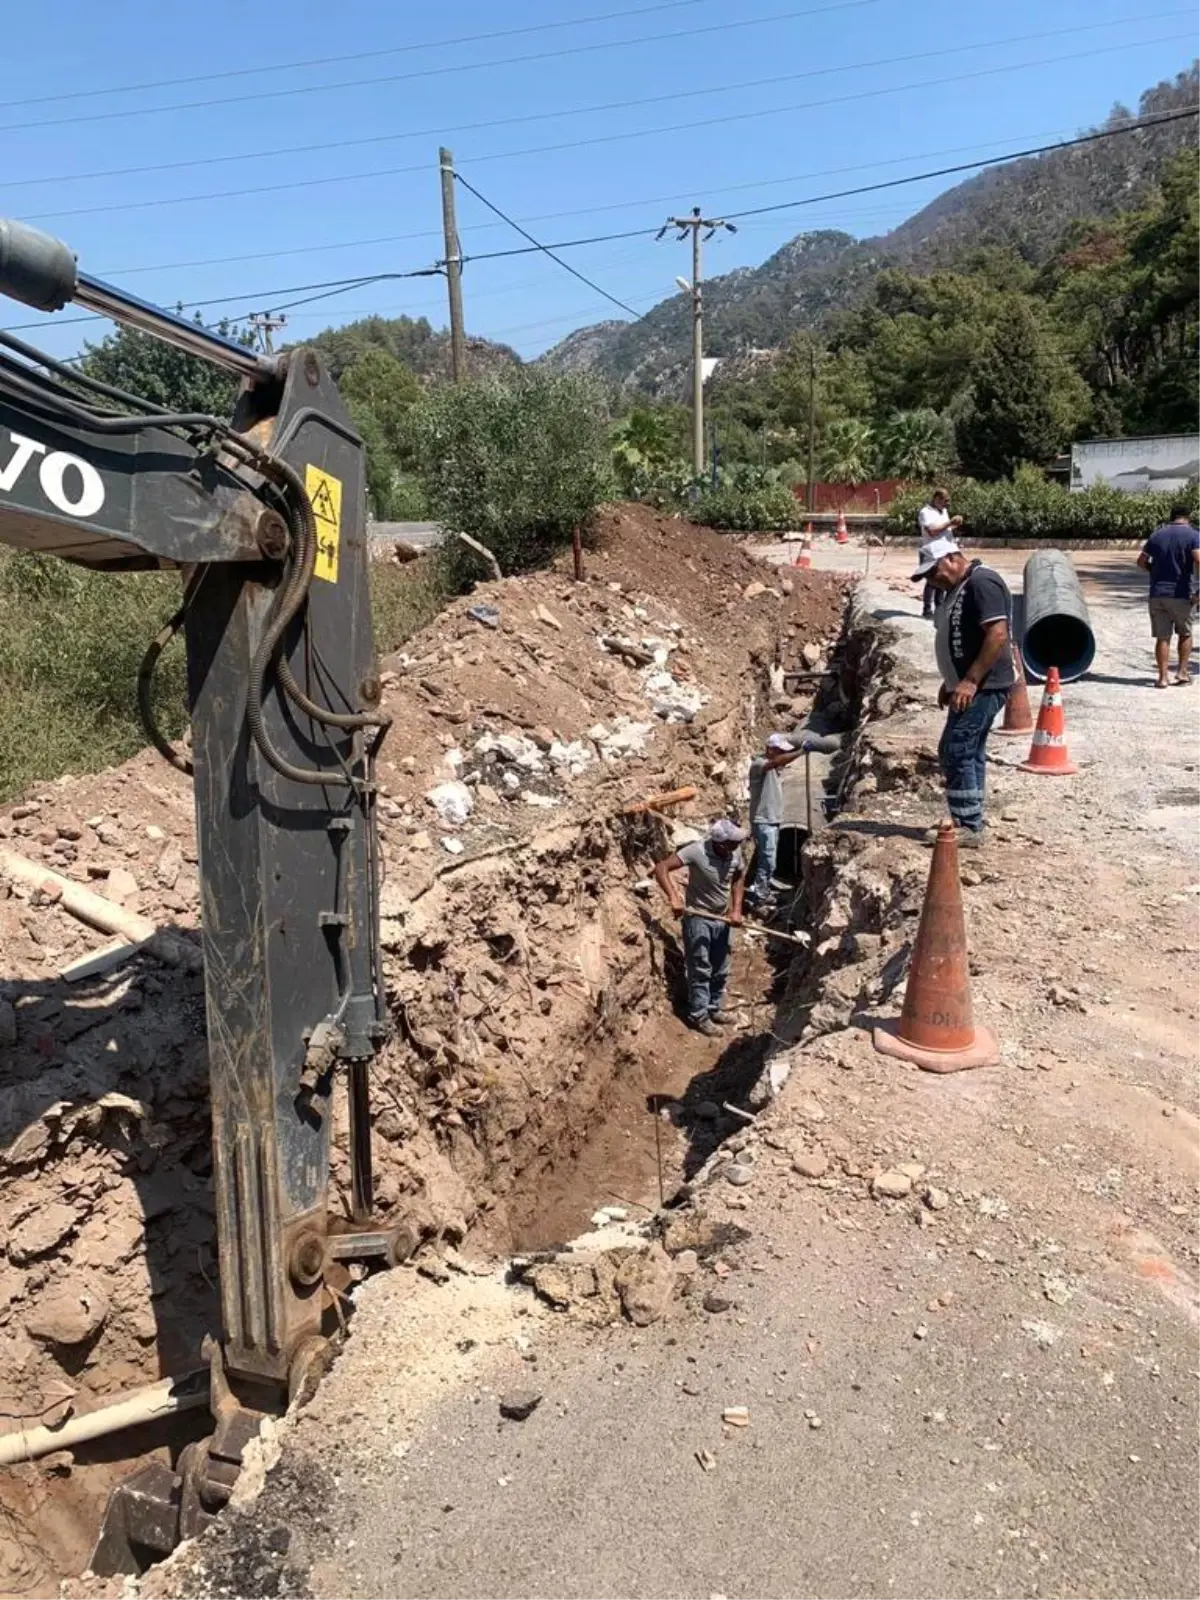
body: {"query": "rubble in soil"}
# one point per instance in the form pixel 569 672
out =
pixel 520 961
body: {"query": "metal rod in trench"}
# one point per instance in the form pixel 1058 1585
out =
pixel 662 1198
pixel 808 789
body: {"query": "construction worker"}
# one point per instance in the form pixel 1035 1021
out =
pixel 710 909
pixel 974 654
pixel 1171 555
pixel 766 813
pixel 933 519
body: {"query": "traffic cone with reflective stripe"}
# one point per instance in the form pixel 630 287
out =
pixel 842 536
pixel 804 554
pixel 1018 714
pixel 1048 752
pixel 936 1029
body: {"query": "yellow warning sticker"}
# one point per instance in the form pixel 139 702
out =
pixel 325 492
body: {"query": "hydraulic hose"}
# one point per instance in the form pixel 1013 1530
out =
pixel 145 680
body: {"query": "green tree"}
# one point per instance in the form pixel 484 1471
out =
pixel 158 372
pixel 848 451
pixel 517 462
pixel 378 390
pixel 646 445
pixel 916 444
pixel 1025 401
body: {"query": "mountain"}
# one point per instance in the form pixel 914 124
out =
pixel 423 349
pixel 1024 204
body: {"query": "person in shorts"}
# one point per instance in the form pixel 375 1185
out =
pixel 1171 555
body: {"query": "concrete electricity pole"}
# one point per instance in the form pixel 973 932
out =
pixel 453 263
pixel 694 224
pixel 812 423
pixel 264 325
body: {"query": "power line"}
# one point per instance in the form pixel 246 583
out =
pixel 555 216
pixel 599 139
pixel 246 156
pixel 437 72
pixel 339 285
pixel 331 286
pixel 869 188
pixel 583 111
pixel 545 249
pixel 359 55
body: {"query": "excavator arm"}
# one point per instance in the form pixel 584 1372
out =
pixel 263 515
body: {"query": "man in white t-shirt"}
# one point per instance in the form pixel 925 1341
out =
pixel 934 519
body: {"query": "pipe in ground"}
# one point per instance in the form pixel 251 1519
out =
pixel 1057 631
pixel 145 1405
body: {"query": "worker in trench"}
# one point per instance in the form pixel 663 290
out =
pixel 766 814
pixel 974 655
pixel 711 908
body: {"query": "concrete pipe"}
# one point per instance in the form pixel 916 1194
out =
pixel 1056 631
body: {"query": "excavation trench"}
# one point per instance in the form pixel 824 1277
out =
pixel 536 987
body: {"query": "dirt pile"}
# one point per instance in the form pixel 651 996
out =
pixel 524 969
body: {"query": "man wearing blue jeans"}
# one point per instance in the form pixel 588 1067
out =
pixel 974 655
pixel 710 910
pixel 766 813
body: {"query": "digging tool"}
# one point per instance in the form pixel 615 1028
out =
pixel 653 803
pixel 801 939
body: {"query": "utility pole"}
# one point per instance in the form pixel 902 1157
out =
pixel 453 264
pixel 694 223
pixel 264 325
pixel 812 423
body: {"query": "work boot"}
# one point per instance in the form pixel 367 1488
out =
pixel 964 838
pixel 721 1018
pixel 705 1025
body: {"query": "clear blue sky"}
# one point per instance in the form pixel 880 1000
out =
pixel 742 142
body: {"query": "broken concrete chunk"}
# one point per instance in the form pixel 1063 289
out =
pixel 453 802
pixel 891 1186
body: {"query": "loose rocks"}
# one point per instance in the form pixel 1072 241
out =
pixel 811 1163
pixel 891 1186
pixel 70 1313
pixel 645 1283
pixel 40 1232
pixel 519 1404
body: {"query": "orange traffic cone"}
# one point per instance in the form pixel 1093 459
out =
pixel 804 554
pixel 936 1030
pixel 842 536
pixel 1048 752
pixel 1018 714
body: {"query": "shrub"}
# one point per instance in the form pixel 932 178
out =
pixel 518 462
pixel 1027 506
pixel 755 509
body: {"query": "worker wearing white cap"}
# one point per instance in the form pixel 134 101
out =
pixel 974 655
pixel 766 811
pixel 711 906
